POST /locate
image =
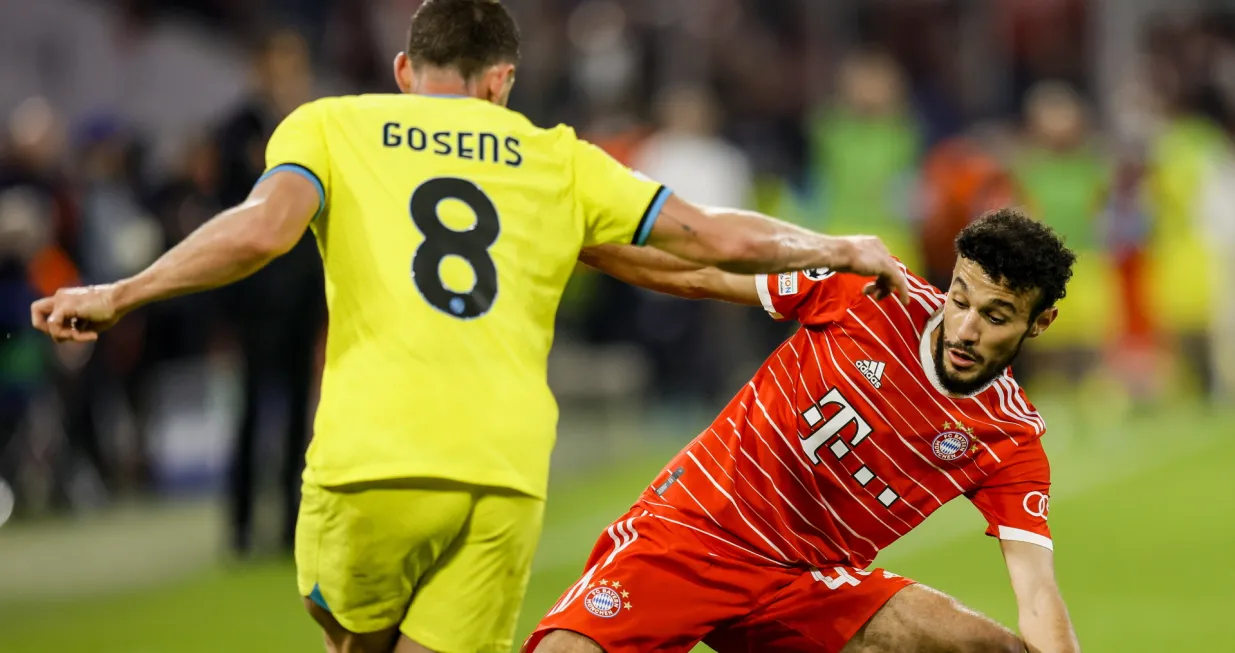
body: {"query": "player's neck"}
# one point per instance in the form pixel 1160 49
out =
pixel 442 83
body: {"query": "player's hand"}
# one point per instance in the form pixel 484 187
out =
pixel 76 314
pixel 869 257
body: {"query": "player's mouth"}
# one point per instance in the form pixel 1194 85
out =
pixel 960 359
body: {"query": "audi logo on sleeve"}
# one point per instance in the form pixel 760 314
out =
pixel 1037 504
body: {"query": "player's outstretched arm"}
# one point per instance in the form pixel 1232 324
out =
pixel 228 248
pixel 1044 622
pixel 746 242
pixel 648 267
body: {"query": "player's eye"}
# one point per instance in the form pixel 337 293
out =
pixel 996 320
pixel 960 304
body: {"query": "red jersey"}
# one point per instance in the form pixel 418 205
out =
pixel 844 440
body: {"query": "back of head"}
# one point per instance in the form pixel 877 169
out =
pixel 466 36
pixel 1019 252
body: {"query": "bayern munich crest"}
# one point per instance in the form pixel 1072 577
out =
pixel 950 445
pixel 603 602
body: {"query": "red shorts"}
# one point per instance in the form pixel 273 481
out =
pixel 656 583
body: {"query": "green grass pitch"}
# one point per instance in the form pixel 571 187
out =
pixel 1143 515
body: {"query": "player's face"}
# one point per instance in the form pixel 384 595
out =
pixel 984 325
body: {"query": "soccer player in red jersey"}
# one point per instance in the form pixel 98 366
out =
pixel 756 537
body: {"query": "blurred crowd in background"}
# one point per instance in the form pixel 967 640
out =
pixel 128 123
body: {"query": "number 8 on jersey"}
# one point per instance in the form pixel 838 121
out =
pixel 471 245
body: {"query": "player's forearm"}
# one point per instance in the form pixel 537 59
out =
pixel 1046 626
pixel 746 242
pixel 222 251
pixel 650 268
pixel 646 267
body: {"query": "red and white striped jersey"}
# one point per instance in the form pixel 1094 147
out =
pixel 844 440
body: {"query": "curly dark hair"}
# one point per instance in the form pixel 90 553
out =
pixel 467 35
pixel 1019 252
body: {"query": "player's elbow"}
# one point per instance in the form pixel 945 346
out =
pixel 690 285
pixel 268 235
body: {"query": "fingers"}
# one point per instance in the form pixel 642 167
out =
pixel 900 284
pixel 58 318
pixel 889 283
pixel 39 311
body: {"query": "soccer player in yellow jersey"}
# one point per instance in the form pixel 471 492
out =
pixel 448 226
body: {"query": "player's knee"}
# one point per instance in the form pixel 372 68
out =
pixel 566 641
pixel 339 639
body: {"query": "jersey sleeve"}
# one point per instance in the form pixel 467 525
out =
pixel 1015 500
pixel 299 145
pixel 618 205
pixel 810 296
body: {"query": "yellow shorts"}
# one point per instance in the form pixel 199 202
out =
pixel 448 563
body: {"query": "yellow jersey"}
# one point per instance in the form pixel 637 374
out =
pixel 448 229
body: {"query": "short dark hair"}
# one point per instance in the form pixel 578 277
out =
pixel 1019 252
pixel 467 35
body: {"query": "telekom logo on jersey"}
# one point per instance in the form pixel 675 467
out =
pixel 826 433
pixel 846 415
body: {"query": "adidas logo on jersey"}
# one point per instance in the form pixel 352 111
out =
pixel 873 371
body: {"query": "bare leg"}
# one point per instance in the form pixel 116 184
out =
pixel 342 640
pixel 407 645
pixel 566 641
pixel 919 619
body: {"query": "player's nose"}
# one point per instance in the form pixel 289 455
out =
pixel 969 329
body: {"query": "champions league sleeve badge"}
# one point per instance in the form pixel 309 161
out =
pixel 818 274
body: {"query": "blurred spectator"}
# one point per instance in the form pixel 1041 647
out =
pixel 119 237
pixel 33 167
pixel 1125 225
pixel 960 181
pixel 1063 178
pixel 1218 215
pixel 38 222
pixel 1181 265
pixel 278 312
pixel 688 155
pixel 865 150
pixel 183 327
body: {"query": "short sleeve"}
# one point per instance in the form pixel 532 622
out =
pixel 1016 499
pixel 299 145
pixel 810 296
pixel 619 205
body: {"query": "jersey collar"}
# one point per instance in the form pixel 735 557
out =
pixel 928 361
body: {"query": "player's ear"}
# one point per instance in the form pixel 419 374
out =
pixel 403 72
pixel 497 81
pixel 1043 322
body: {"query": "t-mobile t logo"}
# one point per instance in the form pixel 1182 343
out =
pixel 820 435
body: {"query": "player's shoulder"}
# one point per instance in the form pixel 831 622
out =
pixel 1010 405
pixel 919 287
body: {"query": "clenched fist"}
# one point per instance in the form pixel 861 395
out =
pixel 76 314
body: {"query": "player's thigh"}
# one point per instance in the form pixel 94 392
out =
pixel 846 610
pixel 922 620
pixel 470 600
pixel 362 549
pixel 818 612
pixel 652 585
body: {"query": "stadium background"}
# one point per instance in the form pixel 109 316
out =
pixel 128 122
